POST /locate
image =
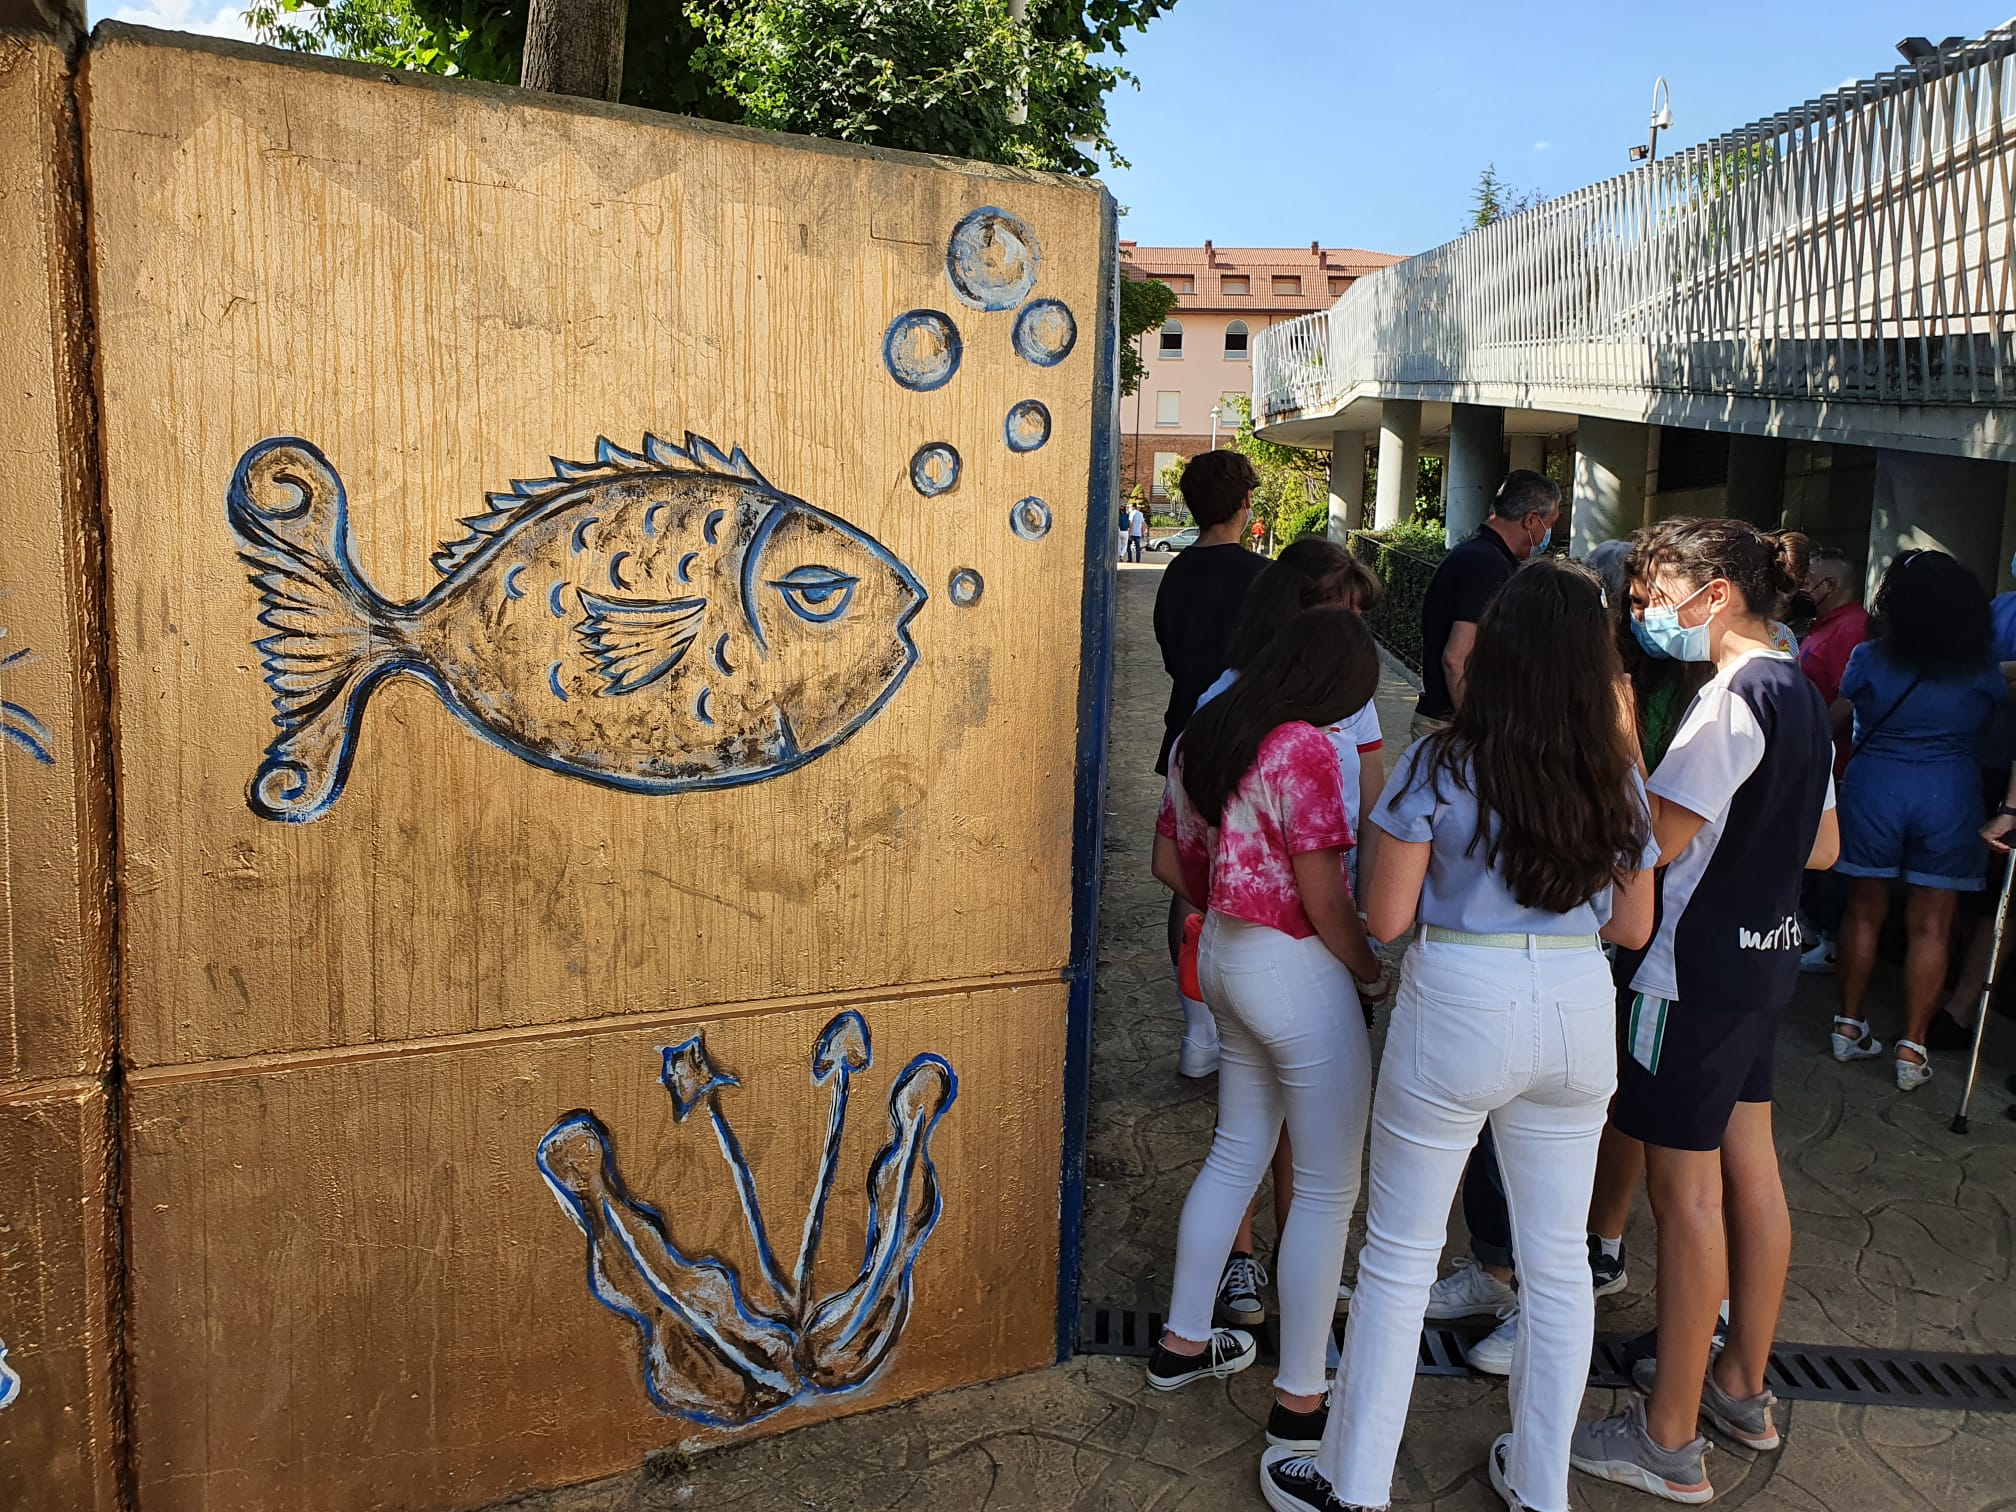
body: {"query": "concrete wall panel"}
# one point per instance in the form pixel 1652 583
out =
pixel 441 288
pixel 54 792
pixel 59 1422
pixel 354 1287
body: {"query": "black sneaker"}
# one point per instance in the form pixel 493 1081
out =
pixel 1300 1431
pixel 1228 1353
pixel 1609 1275
pixel 1501 1457
pixel 1239 1304
pixel 1290 1482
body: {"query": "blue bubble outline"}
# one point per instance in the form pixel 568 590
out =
pixel 910 375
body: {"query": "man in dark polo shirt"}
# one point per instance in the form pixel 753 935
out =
pixel 1522 519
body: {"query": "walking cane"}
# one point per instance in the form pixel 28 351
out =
pixel 1987 992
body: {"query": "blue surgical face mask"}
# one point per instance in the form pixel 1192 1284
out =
pixel 1660 632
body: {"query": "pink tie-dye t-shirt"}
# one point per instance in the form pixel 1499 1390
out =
pixel 1290 801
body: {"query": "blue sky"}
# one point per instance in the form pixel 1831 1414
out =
pixel 1281 122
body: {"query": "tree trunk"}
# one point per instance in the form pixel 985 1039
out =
pixel 575 47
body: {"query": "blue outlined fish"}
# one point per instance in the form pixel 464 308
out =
pixel 657 621
pixel 10 1382
pixel 713 1351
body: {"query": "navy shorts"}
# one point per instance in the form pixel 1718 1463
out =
pixel 1681 1072
pixel 1914 822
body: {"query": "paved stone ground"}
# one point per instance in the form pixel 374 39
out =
pixel 1902 1239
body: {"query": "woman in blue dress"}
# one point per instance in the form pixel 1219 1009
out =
pixel 1923 694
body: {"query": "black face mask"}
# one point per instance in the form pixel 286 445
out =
pixel 1802 606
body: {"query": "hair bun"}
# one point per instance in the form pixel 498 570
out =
pixel 1792 554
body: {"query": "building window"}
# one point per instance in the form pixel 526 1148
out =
pixel 1287 283
pixel 1182 283
pixel 1339 285
pixel 1162 461
pixel 1169 407
pixel 1235 341
pixel 1233 283
pixel 1228 409
pixel 1172 339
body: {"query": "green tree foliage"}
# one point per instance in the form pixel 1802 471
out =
pixel 1171 478
pixel 941 76
pixel 1312 519
pixel 1144 304
pixel 1493 199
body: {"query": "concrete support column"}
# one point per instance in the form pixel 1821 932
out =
pixel 1757 480
pixel 1399 461
pixel 1527 454
pixel 1347 483
pixel 1950 504
pixel 1610 460
pixel 1476 445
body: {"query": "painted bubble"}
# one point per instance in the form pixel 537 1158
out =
pixel 1045 332
pixel 965 587
pixel 1028 425
pixel 921 350
pixel 992 259
pixel 935 469
pixel 1030 519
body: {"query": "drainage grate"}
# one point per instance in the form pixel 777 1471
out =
pixel 1799 1372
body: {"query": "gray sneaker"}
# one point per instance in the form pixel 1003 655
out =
pixel 1619 1449
pixel 1747 1420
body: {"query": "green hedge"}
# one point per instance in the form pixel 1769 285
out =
pixel 1313 519
pixel 1404 559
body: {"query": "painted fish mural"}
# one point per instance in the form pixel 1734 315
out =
pixel 10 1383
pixel 659 621
pixel 716 1348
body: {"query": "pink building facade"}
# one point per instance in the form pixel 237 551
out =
pixel 1225 296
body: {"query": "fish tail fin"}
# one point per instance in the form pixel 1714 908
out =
pixel 332 637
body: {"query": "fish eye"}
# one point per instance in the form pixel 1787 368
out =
pixel 815 593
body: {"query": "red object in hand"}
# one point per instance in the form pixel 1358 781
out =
pixel 1186 959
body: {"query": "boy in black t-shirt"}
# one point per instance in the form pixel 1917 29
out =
pixel 1196 608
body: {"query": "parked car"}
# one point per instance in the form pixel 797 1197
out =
pixel 1174 543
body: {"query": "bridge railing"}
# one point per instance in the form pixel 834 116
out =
pixel 1861 247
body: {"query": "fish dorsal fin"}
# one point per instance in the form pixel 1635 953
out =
pixel 697 457
pixel 634 642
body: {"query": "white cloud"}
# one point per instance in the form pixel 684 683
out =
pixel 1542 146
pixel 204 16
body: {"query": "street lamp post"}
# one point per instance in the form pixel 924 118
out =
pixel 1662 120
pixel 1217 411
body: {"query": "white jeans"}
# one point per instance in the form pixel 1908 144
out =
pixel 1528 1039
pixel 1291 1046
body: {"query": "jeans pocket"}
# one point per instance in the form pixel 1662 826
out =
pixel 1462 1044
pixel 1589 1047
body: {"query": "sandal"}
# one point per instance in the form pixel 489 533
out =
pixel 1911 1075
pixel 1861 1045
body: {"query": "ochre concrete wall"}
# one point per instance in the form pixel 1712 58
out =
pixel 665 772
pixel 58 1421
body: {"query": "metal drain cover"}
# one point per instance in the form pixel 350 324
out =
pixel 1798 1373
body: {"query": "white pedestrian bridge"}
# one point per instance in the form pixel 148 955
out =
pixel 1808 320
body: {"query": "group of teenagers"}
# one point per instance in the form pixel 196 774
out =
pixel 1597 843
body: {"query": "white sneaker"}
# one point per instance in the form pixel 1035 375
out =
pixel 1821 959
pixel 1911 1075
pixel 1343 1296
pixel 1469 1291
pixel 1197 1059
pixel 1861 1045
pixel 1492 1354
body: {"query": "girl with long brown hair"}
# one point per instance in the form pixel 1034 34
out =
pixel 1513 838
pixel 1253 829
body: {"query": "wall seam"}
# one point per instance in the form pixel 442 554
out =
pixel 87 450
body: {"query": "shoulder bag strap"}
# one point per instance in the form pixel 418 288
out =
pixel 1863 739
